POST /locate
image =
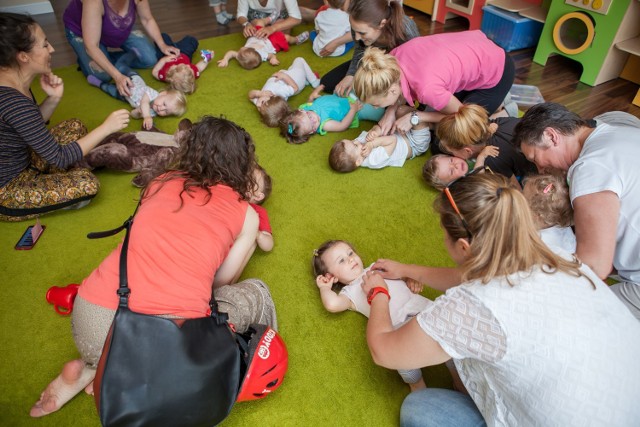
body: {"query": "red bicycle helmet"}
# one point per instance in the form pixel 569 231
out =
pixel 266 361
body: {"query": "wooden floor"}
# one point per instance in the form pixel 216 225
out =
pixel 558 80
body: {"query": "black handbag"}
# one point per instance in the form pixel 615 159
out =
pixel 165 372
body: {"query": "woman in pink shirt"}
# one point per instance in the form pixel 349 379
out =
pixel 441 71
pixel 193 231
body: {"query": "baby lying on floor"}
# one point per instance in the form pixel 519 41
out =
pixel 375 151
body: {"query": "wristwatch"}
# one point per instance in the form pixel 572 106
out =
pixel 415 120
pixel 244 24
pixel 375 291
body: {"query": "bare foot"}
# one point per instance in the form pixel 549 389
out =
pixel 418 385
pixel 74 377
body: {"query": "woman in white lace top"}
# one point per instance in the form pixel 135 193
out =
pixel 536 338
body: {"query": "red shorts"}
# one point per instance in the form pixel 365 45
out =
pixel 278 40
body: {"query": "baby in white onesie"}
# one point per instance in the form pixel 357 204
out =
pixel 271 99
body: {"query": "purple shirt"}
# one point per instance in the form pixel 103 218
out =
pixel 437 66
pixel 115 28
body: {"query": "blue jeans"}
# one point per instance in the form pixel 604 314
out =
pixel 187 45
pixel 347 46
pixel 439 407
pixel 144 50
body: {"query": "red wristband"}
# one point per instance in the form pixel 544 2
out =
pixel 375 291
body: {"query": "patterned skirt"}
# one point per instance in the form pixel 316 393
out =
pixel 43 188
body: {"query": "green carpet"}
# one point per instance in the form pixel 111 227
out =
pixel 331 378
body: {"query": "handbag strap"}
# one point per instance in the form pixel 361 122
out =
pixel 123 287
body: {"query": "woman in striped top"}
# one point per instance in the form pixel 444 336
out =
pixel 33 160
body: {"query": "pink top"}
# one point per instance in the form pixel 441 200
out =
pixel 173 255
pixel 435 67
pixel 180 59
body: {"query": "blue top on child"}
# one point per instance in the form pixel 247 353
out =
pixel 330 107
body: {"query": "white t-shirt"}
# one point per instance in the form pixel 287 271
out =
pixel 609 162
pixel 559 238
pixel 378 158
pixel 331 24
pixel 272 6
pixel 278 88
pixel 263 46
pixel 548 351
pixel 403 304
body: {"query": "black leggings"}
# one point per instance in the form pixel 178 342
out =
pixel 491 98
pixel 335 76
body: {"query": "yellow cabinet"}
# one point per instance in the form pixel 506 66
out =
pixel 425 6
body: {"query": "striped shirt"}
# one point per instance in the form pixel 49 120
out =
pixel 21 127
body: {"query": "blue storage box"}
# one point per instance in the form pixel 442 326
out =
pixel 509 30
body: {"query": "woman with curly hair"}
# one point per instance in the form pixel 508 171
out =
pixel 193 230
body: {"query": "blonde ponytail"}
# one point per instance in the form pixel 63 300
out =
pixel 468 127
pixel 376 74
pixel 504 239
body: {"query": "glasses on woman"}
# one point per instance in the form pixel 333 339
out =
pixel 447 192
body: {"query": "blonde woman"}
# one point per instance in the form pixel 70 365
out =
pixel 536 338
pixel 470 130
pixel 441 71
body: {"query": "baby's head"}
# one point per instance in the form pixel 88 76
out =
pixel 273 110
pixel 346 155
pixel 548 198
pixel 262 189
pixel 336 4
pixel 170 102
pixel 338 261
pixel 299 125
pixel 441 169
pixel 181 78
pixel 248 58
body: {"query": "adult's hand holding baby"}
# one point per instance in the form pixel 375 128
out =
pixel 387 123
pixel 344 87
pixel 124 83
pixel 389 269
pixel 372 279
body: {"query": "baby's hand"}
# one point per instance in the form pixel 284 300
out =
pixel 223 63
pixel 414 286
pixel 366 148
pixel 324 282
pixel 488 151
pixel 357 105
pixel 274 61
pixel 147 123
pixel 373 133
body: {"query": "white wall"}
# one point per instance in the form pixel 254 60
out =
pixel 32 7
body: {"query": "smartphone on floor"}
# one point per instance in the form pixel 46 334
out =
pixel 30 237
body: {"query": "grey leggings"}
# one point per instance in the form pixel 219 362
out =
pixel 246 302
